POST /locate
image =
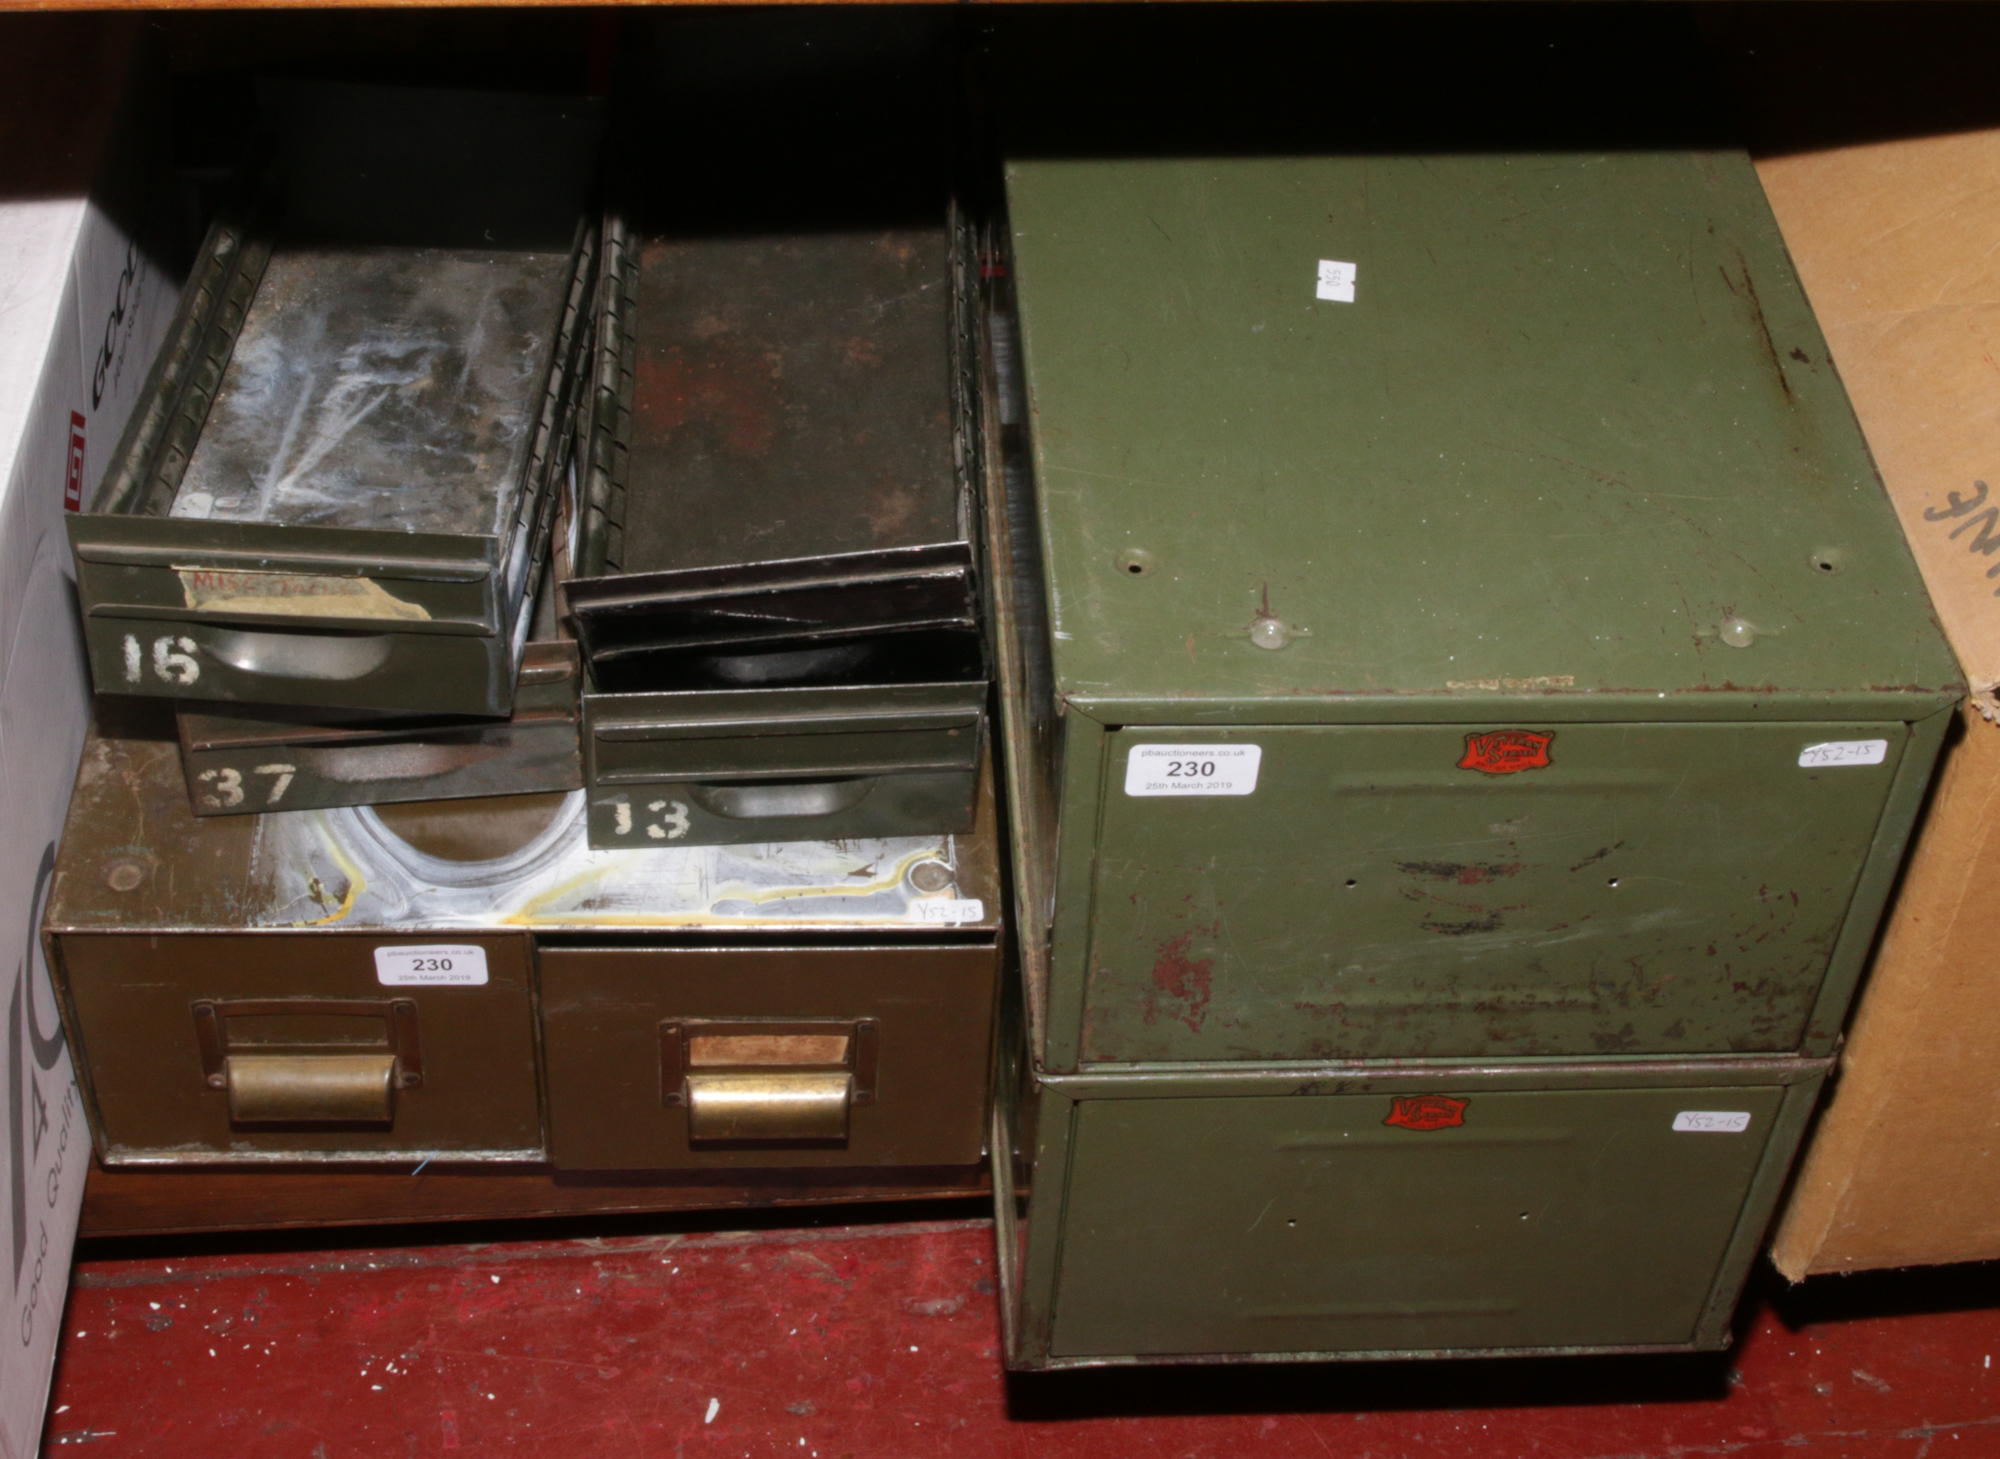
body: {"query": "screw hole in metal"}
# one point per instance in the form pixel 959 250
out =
pixel 1136 562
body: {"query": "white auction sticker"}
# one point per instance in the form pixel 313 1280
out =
pixel 430 967
pixel 1192 769
pixel 1336 282
pixel 1713 1121
pixel 1844 752
pixel 951 910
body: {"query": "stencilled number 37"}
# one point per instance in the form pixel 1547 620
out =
pixel 226 784
pixel 173 660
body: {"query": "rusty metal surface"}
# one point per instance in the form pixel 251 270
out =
pixel 793 398
pixel 776 491
pixel 394 389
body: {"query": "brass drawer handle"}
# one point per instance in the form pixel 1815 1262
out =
pixel 806 1106
pixel 303 1082
pixel 767 1079
pixel 311 1088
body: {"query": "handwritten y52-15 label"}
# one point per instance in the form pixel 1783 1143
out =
pixel 949 910
pixel 430 967
pixel 1712 1121
pixel 1844 752
pixel 1192 769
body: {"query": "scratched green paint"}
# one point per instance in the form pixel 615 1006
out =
pixel 1547 1219
pixel 1654 889
pixel 1578 416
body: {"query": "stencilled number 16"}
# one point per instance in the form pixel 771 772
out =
pixel 173 660
pixel 228 784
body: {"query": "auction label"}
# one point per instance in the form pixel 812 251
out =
pixel 949 910
pixel 430 967
pixel 1844 752
pixel 1192 769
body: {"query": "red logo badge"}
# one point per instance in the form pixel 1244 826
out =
pixel 73 472
pixel 1427 1112
pixel 1504 752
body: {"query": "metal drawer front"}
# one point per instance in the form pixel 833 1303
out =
pixel 782 764
pixel 663 1057
pixel 244 1047
pixel 240 764
pixel 1618 889
pixel 1372 1223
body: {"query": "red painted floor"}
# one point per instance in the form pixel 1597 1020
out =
pixel 865 1342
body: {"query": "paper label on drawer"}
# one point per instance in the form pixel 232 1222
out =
pixel 950 910
pixel 1844 752
pixel 1713 1121
pixel 1192 769
pixel 1336 281
pixel 309 594
pixel 440 966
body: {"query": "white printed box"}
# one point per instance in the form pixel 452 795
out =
pixel 85 299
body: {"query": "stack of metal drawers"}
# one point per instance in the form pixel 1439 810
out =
pixel 774 580
pixel 327 528
pixel 426 413
pixel 1465 697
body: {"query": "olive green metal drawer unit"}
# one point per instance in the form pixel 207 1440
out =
pixel 1517 659
pixel 339 488
pixel 1453 643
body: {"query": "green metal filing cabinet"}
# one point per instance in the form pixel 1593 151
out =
pixel 1465 697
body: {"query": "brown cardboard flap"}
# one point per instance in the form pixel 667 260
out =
pixel 1898 244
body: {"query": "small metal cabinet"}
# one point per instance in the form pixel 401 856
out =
pixel 669 1057
pixel 467 980
pixel 1452 639
pixel 338 489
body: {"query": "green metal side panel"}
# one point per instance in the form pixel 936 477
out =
pixel 1576 434
pixel 1547 1219
pixel 1650 889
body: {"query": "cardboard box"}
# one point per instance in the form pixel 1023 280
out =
pixel 84 301
pixel 1894 241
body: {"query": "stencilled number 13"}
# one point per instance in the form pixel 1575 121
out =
pixel 227 784
pixel 173 660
